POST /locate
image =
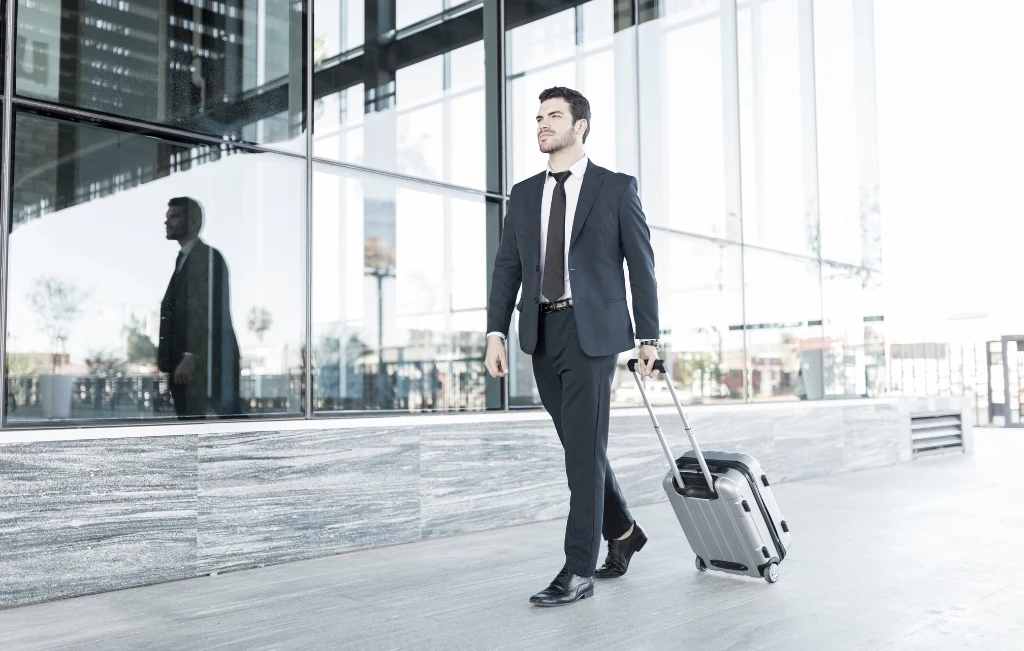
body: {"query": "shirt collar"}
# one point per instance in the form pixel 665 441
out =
pixel 578 168
pixel 185 250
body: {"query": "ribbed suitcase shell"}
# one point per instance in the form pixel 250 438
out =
pixel 734 525
pixel 742 531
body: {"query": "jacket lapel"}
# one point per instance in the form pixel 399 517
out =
pixel 534 196
pixel 592 180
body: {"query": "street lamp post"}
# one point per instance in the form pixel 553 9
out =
pixel 380 273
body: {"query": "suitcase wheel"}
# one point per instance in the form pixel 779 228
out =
pixel 701 567
pixel 771 573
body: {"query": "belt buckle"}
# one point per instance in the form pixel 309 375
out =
pixel 557 306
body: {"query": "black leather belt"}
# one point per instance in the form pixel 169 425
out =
pixel 557 306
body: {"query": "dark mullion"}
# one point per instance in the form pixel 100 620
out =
pixel 494 91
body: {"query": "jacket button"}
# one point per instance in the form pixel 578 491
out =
pixel 536 300
pixel 537 268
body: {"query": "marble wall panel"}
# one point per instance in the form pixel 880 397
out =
pixel 275 496
pixel 78 517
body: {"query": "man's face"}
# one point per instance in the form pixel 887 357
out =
pixel 555 130
pixel 176 223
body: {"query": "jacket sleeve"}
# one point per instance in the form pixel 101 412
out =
pixel 506 278
pixel 635 240
pixel 198 313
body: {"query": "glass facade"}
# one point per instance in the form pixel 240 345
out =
pixel 250 209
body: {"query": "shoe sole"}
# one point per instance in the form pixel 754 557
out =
pixel 586 594
pixel 639 546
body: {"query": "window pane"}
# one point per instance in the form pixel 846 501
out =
pixel 575 48
pixel 679 10
pixel 3 42
pixel 102 312
pixel 847 137
pixel 700 295
pixel 854 331
pixel 337 27
pixel 784 336
pixel 234 71
pixel 776 212
pixel 838 175
pixel 399 274
pixel 683 129
pixel 433 127
pixel 410 12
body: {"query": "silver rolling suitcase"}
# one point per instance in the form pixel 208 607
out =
pixel 723 502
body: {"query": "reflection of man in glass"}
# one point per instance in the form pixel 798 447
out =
pixel 197 341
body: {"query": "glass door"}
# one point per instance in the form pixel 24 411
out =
pixel 1013 373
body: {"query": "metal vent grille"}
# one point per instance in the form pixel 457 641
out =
pixel 932 434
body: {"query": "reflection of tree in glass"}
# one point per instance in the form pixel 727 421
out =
pixel 379 254
pixel 410 153
pixel 104 364
pixel 470 344
pixel 20 365
pixel 328 350
pixel 812 227
pixel 700 372
pixel 357 348
pixel 319 47
pixel 140 348
pixel 260 321
pixel 871 235
pixel 57 304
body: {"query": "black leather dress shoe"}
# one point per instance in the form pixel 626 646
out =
pixel 619 553
pixel 567 588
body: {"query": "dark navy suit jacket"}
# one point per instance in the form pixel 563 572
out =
pixel 609 226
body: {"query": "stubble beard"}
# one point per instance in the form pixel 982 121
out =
pixel 558 144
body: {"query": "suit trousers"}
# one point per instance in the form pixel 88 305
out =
pixel 190 400
pixel 576 391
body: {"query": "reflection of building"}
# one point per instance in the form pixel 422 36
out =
pixel 185 65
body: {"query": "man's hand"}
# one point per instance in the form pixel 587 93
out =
pixel 186 369
pixel 648 355
pixel 496 360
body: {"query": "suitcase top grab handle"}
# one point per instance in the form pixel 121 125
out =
pixel 659 365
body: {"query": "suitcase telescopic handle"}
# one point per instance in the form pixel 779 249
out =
pixel 659 365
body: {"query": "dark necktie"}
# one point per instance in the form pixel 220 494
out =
pixel 554 258
pixel 177 261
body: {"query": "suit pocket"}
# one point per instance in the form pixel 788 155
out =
pixel 601 217
pixel 615 300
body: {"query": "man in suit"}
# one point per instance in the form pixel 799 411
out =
pixel 197 340
pixel 566 233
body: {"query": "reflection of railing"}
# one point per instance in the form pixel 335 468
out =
pixel 95 397
pixel 452 385
pixel 434 385
pixel 941 370
pixel 148 396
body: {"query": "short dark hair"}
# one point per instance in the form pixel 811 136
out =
pixel 193 211
pixel 579 107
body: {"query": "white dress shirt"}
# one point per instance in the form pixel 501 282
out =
pixel 185 250
pixel 572 197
